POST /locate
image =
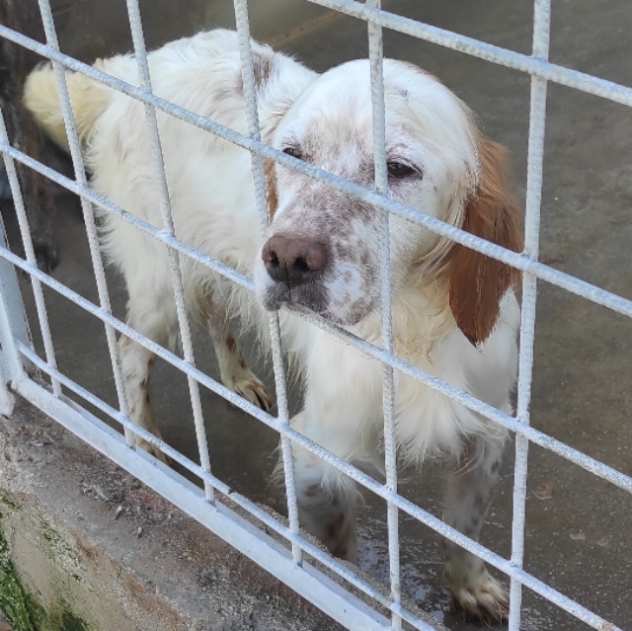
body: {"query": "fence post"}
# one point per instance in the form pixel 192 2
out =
pixel 13 328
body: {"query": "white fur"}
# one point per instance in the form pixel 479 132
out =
pixel 214 207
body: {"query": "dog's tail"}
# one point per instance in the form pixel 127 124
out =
pixel 89 100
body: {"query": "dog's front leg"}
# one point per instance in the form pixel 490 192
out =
pixel 326 497
pixel 234 372
pixel 342 413
pixel 469 492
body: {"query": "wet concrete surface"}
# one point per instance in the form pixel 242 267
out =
pixel 578 537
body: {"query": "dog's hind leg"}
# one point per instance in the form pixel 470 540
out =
pixel 234 372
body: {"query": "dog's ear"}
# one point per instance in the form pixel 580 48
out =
pixel 476 282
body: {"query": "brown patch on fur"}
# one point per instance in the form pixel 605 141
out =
pixel 231 345
pixel 477 282
pixel 271 187
pixel 262 67
pixel 334 527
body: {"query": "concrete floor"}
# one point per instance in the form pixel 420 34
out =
pixel 578 528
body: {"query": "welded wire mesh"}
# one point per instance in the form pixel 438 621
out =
pixel 350 613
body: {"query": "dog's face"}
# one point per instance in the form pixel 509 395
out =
pixel 322 249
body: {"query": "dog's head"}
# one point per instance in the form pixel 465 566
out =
pixel 322 249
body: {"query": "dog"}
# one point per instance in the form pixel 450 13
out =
pixel 455 311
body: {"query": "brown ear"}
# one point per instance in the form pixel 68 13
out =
pixel 477 282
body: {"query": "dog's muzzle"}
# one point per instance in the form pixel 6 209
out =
pixel 296 265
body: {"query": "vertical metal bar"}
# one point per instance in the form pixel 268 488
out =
pixel 29 251
pixel 133 12
pixel 86 206
pixel 13 329
pixel 535 159
pixel 11 289
pixel 9 358
pixel 258 176
pixel 376 55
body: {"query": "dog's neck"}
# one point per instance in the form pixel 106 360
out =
pixel 421 317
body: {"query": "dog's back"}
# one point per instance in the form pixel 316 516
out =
pixel 203 75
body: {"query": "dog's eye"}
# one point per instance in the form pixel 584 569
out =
pixel 400 170
pixel 293 151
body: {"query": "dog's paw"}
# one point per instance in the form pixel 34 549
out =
pixel 480 596
pixel 249 387
pixel 333 527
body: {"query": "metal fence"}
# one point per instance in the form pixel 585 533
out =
pixel 207 505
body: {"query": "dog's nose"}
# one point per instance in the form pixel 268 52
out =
pixel 293 259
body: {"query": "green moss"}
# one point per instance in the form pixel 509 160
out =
pixel 39 617
pixel 20 608
pixel 70 622
pixel 8 501
pixel 14 601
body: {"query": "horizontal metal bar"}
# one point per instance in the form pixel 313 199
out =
pixel 617 478
pixel 306 580
pixel 472 403
pixel 519 261
pixel 476 48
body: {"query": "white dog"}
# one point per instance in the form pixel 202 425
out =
pixel 454 311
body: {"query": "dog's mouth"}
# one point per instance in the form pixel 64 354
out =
pixel 310 296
